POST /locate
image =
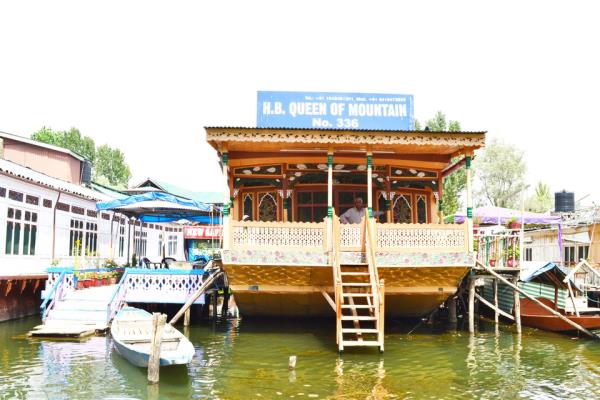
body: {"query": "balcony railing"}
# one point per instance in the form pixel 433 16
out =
pixel 254 235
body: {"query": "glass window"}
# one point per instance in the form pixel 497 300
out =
pixel 402 209
pixel 582 252
pixel 248 206
pixel 20 234
pixel 421 209
pixel 267 207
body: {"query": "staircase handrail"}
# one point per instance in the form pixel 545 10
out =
pixel 337 277
pixel 55 292
pixel 377 286
pixel 117 299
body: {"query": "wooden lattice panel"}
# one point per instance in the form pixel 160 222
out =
pixel 411 237
pixel 277 235
pixel 350 236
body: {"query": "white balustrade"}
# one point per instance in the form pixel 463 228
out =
pixel 350 236
pixel 277 235
pixel 167 287
pixel 415 237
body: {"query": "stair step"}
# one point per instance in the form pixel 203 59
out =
pixel 358 318
pixel 357 294
pixel 356 284
pixel 359 330
pixel 349 343
pixel 357 306
pixel 356 273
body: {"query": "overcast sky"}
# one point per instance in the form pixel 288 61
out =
pixel 147 76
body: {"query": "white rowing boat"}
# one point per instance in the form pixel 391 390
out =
pixel 131 330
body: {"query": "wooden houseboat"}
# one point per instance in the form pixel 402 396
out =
pixel 285 251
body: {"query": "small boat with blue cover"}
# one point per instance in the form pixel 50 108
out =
pixel 131 330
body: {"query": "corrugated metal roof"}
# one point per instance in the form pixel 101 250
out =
pixel 204 197
pixel 18 171
pixel 344 130
pixel 41 144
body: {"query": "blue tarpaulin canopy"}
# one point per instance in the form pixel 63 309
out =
pixel 162 207
pixel 550 273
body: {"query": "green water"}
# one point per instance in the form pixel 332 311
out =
pixel 249 360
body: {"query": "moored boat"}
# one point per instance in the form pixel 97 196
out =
pixel 131 330
pixel 533 315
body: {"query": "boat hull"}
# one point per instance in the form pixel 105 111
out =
pixel 297 291
pixel 176 349
pixel 534 316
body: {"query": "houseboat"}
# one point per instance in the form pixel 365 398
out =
pixel 285 250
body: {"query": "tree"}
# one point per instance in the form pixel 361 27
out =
pixel 455 183
pixel 541 201
pixel 500 169
pixel 108 163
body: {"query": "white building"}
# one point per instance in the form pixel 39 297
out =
pixel 48 214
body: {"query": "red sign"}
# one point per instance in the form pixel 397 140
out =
pixel 202 232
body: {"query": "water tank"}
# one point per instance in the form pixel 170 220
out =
pixel 564 201
pixel 86 173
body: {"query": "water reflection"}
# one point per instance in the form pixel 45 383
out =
pixel 249 359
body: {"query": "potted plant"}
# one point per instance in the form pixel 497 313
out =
pixel 513 223
pixel 104 278
pixel 85 279
pixel 80 281
pixel 512 256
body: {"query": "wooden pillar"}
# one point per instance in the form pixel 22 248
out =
pixel 441 198
pixel 389 194
pixel 369 184
pixel 469 202
pixel 158 324
pixel 186 317
pixel 472 280
pixel 225 307
pixel 284 190
pixel 452 310
pixel 330 199
pixel 215 300
pixel 495 288
pixel 226 200
pixel 517 307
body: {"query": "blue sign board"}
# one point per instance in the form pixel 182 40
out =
pixel 334 110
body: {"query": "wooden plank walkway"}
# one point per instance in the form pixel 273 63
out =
pixel 81 313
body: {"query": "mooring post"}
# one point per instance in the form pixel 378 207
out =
pixel 517 307
pixel 158 325
pixel 496 314
pixel 225 307
pixel 472 280
pixel 215 300
pixel 186 317
pixel 452 310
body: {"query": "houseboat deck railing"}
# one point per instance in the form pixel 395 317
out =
pixel 118 298
pixel 422 237
pixel 255 234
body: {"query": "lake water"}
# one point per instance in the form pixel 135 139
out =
pixel 249 360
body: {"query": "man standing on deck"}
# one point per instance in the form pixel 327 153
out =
pixel 355 214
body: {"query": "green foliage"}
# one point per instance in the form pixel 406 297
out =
pixel 501 170
pixel 541 201
pixel 108 163
pixel 134 260
pixel 455 183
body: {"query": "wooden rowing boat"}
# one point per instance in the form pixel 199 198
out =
pixel 535 316
pixel 131 330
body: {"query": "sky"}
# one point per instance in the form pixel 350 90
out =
pixel 147 76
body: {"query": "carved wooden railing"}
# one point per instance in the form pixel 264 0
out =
pixel 278 235
pixel 351 237
pixel 422 237
pixel 499 250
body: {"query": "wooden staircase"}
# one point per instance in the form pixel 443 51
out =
pixel 358 297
